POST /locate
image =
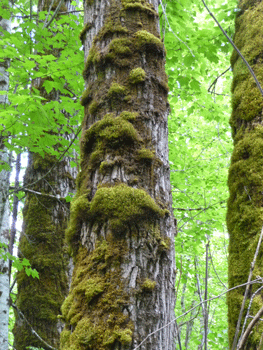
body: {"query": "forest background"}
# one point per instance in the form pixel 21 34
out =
pixel 200 141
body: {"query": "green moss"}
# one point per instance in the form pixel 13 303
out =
pixel 137 75
pixel 64 337
pixel 140 6
pixel 79 210
pixel 96 299
pixel 129 116
pixel 116 90
pixel 148 285
pixel 111 132
pixel 86 97
pixel 146 154
pixel 105 166
pixel 145 38
pixel 122 204
pixel 91 287
pixel 84 31
pixel 94 58
pixel 120 46
pixel 93 107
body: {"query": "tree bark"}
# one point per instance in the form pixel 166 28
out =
pixel 121 227
pixel 244 216
pixel 42 242
pixel 5 24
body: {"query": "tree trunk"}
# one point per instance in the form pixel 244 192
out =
pixel 42 241
pixel 121 227
pixel 244 216
pixel 5 24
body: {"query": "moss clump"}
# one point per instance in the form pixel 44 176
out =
pixel 137 75
pixel 129 116
pixel 93 107
pixel 148 285
pixel 120 46
pixel 110 132
pixel 140 6
pixel 92 310
pixel 116 90
pixel 79 211
pixel 84 31
pixel 147 39
pixel 122 205
pixel 146 154
pixel 94 58
pixel 86 97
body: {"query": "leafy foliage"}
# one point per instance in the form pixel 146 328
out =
pixel 199 150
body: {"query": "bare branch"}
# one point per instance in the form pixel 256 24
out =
pixel 32 329
pixel 249 328
pixel 246 291
pixel 234 46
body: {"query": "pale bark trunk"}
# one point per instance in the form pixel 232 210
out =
pixel 244 216
pixel 42 241
pixel 4 205
pixel 122 227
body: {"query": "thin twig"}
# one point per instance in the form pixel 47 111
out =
pixel 205 303
pixel 246 291
pixel 249 328
pixel 54 15
pixel 257 280
pixel 20 313
pixel 247 315
pixel 234 46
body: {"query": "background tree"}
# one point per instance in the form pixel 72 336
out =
pixel 5 26
pixel 48 181
pixel 121 228
pixel 244 216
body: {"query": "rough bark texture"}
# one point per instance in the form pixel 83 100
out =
pixel 42 240
pixel 121 226
pixel 245 214
pixel 5 24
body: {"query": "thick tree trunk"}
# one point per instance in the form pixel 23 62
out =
pixel 121 227
pixel 5 24
pixel 42 241
pixel 244 217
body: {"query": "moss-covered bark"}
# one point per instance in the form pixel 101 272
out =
pixel 245 213
pixel 42 241
pixel 121 227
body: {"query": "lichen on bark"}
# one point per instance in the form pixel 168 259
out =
pixel 245 214
pixel 121 229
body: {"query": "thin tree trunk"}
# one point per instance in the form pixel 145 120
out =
pixel 244 216
pixel 42 241
pixel 5 24
pixel 122 228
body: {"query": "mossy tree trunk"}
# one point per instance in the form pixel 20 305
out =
pixel 121 227
pixel 5 25
pixel 245 213
pixel 42 242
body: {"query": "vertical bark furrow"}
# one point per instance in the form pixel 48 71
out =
pixel 245 215
pixel 121 227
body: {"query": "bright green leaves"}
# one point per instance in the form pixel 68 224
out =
pixel 17 263
pixel 40 63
